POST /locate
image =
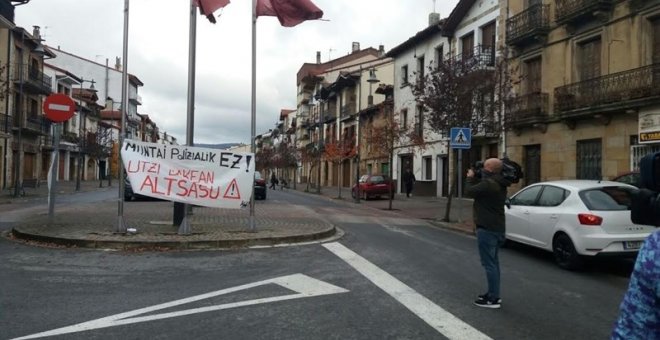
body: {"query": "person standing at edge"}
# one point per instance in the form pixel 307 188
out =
pixel 639 315
pixel 408 181
pixel 489 193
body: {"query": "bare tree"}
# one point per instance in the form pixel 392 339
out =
pixel 337 151
pixel 311 156
pixel 386 136
pixel 467 90
pixel 98 146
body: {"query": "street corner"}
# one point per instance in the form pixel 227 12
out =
pixel 463 227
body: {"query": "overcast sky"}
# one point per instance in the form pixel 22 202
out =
pixel 158 52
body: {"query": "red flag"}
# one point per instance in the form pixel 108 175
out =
pixel 207 7
pixel 289 12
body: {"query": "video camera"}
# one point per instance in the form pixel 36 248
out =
pixel 645 207
pixel 511 171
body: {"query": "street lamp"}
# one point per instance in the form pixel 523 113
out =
pixel 370 102
pixel 19 107
pixel 81 131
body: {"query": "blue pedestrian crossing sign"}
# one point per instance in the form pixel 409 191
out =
pixel 460 138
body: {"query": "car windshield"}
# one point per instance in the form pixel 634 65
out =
pixel 607 198
pixel 257 175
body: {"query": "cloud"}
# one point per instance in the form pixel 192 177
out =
pixel 158 52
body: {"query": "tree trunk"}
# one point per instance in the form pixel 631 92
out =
pixel 391 171
pixel 452 189
pixel 340 177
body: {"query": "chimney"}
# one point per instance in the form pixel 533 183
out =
pixel 318 57
pixel 109 103
pixel 118 63
pixel 434 19
pixel 356 47
pixel 381 50
pixel 36 32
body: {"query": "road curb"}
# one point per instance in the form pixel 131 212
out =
pixel 172 245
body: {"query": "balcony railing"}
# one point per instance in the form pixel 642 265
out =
pixel 480 56
pixel 572 10
pixel 527 109
pixel 639 83
pixel 38 124
pixel 528 24
pixel 34 81
pixel 347 111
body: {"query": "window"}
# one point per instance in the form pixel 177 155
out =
pixel 527 196
pixel 607 198
pixel 420 68
pixel 370 168
pixel 428 167
pixel 488 44
pixel 467 46
pixel 419 120
pixel 588 62
pixel 404 118
pixel 385 168
pixel 532 160
pixel 656 40
pixel 532 77
pixel 589 159
pixel 552 196
pixel 439 55
pixel 404 75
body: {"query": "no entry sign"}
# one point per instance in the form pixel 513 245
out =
pixel 59 107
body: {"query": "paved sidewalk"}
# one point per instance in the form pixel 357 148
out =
pixel 92 225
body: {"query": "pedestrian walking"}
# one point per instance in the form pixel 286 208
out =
pixel 273 181
pixel 408 181
pixel 488 188
pixel 639 314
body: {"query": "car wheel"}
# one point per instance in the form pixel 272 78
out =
pixel 353 193
pixel 565 254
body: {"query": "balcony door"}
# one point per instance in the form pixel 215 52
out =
pixel 532 78
pixel 589 59
pixel 467 46
pixel 656 40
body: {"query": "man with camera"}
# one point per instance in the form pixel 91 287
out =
pixel 488 188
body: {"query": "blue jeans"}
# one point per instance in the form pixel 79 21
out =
pixel 489 243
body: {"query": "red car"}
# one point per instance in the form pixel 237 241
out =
pixel 374 185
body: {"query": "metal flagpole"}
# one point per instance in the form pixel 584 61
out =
pixel 184 227
pixel 121 226
pixel 254 103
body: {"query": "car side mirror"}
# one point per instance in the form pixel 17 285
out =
pixel 507 203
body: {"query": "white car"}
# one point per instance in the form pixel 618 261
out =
pixel 575 218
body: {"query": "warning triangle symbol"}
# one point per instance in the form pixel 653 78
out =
pixel 232 191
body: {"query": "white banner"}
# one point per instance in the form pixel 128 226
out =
pixel 200 176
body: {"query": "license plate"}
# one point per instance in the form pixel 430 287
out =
pixel 628 245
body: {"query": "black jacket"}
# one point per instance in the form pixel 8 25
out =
pixel 489 196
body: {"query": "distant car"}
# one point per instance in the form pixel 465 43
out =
pixel 259 186
pixel 129 195
pixel 373 186
pixel 574 219
pixel 631 177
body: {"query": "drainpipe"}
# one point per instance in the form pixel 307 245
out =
pixel 7 82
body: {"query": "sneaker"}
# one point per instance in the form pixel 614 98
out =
pixel 488 303
pixel 484 296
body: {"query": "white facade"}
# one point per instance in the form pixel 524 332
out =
pixel 107 82
pixel 411 57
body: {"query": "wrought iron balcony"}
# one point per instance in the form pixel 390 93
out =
pixel 347 111
pixel 480 56
pixel 527 110
pixel 568 11
pixel 33 80
pixel 623 90
pixel 529 25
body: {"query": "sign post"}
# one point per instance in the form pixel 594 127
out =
pixel 58 108
pixel 460 138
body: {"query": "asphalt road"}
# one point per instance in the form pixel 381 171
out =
pixel 386 278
